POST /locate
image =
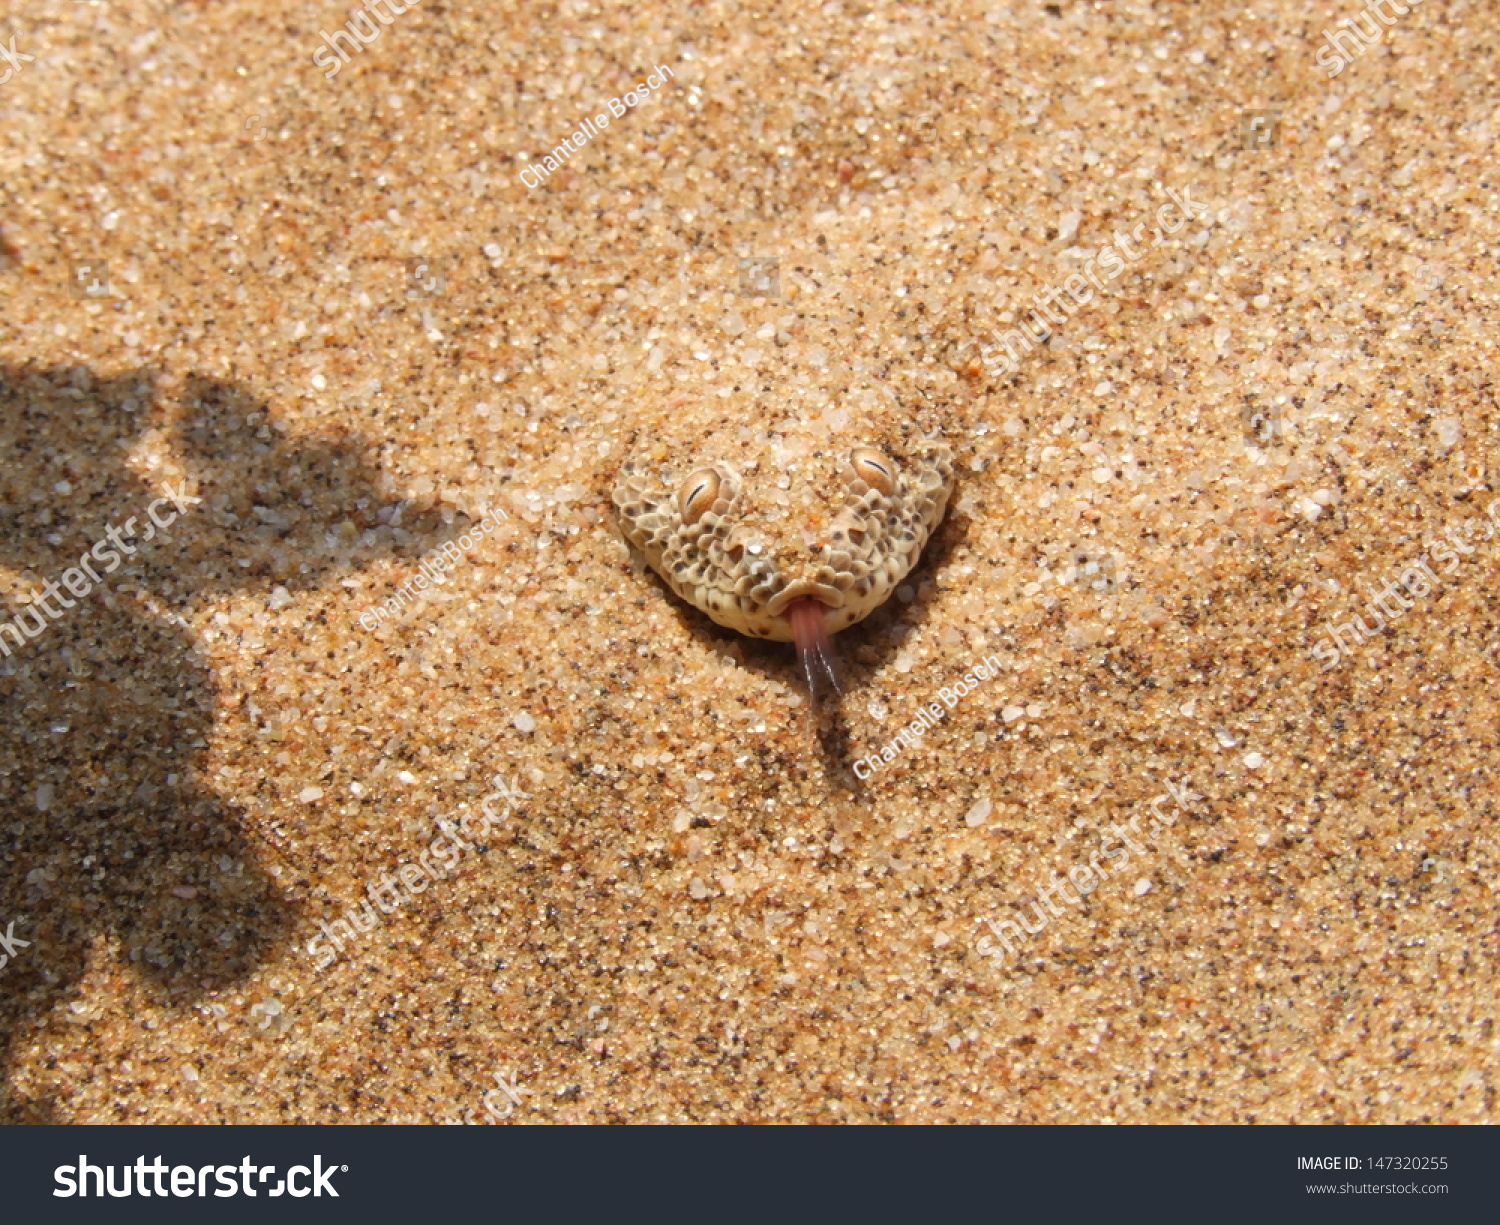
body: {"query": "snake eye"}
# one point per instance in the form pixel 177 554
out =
pixel 699 492
pixel 874 469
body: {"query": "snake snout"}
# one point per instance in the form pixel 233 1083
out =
pixel 804 589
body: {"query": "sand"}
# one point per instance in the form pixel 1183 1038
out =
pixel 337 316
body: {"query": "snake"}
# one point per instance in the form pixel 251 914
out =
pixel 791 530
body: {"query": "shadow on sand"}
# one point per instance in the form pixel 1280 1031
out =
pixel 114 845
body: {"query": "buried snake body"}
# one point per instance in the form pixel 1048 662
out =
pixel 791 534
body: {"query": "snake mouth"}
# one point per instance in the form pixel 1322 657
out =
pixel 803 589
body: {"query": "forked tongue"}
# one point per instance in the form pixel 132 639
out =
pixel 814 650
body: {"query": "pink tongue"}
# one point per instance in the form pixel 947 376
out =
pixel 806 618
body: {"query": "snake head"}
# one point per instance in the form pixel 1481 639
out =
pixel 788 537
